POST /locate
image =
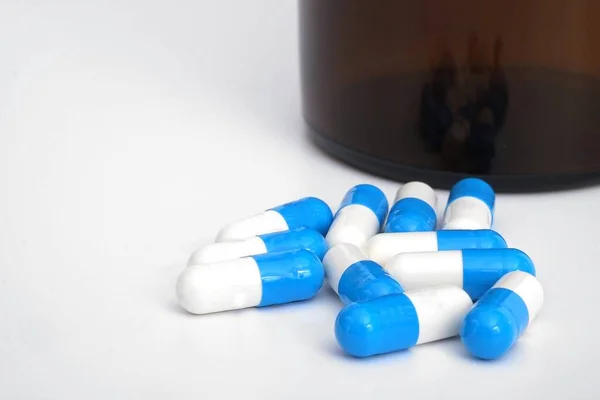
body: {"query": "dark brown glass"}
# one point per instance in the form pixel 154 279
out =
pixel 439 89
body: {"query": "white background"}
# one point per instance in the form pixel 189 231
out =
pixel 130 132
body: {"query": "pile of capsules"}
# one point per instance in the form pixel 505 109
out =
pixel 402 282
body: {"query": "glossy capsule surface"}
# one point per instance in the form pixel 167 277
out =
pixel 354 277
pixel 256 281
pixel 470 205
pixel 361 215
pixel 380 248
pixel 501 315
pixel 413 209
pixel 308 212
pixel 302 238
pixel 400 321
pixel 474 270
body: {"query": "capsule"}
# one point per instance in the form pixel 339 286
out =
pixel 413 209
pixel 501 315
pixel 256 281
pixel 470 205
pixel 474 270
pixel 353 277
pixel 308 212
pixel 380 248
pixel 400 321
pixel 302 238
pixel 361 215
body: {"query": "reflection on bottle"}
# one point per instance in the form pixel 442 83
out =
pixel 453 150
pixel 435 119
pixel 436 116
pixel 480 148
pixel 462 108
pixel 497 96
pixel 444 76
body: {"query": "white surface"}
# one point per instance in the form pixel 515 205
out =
pixel 417 190
pixel 338 259
pixel 426 269
pixel 380 248
pixel 259 224
pixel 440 311
pixel 222 286
pixel 527 287
pixel 467 213
pixel 354 224
pixel 222 251
pixel 130 132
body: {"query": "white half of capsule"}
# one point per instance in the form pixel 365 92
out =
pixel 337 260
pixel 467 213
pixel 208 288
pixel 266 222
pixel 382 247
pixel 353 224
pixel 417 190
pixel 420 270
pixel 527 287
pixel 440 311
pixel 228 251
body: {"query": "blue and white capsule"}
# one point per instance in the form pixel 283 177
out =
pixel 380 248
pixel 361 215
pixel 302 238
pixel 400 321
pixel 470 205
pixel 354 277
pixel 308 212
pixel 501 316
pixel 256 281
pixel 474 270
pixel 413 209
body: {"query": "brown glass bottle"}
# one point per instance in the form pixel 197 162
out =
pixel 508 90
